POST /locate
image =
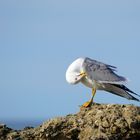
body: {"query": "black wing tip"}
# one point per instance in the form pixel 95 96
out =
pixel 135 99
pixel 128 90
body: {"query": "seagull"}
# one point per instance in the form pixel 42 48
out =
pixel 98 76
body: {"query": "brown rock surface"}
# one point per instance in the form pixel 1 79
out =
pixel 99 122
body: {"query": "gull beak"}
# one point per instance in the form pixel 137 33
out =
pixel 82 74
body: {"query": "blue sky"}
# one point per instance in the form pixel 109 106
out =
pixel 39 39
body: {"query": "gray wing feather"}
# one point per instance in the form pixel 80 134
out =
pixel 119 91
pixel 101 72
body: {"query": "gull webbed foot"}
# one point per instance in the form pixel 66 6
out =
pixel 87 104
pixel 90 102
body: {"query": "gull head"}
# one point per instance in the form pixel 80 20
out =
pixel 73 73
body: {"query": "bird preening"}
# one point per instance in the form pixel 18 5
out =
pixel 98 76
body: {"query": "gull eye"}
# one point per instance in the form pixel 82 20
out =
pixel 76 79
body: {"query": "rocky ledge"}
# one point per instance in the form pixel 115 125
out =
pixel 99 122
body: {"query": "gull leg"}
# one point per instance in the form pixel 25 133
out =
pixel 89 103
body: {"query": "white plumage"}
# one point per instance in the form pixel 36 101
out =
pixel 97 75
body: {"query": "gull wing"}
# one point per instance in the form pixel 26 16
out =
pixel 101 72
pixel 120 90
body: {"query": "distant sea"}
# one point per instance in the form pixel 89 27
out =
pixel 18 125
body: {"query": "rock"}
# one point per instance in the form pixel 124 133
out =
pixel 99 122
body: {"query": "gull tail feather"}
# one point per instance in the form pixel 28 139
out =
pixel 120 90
